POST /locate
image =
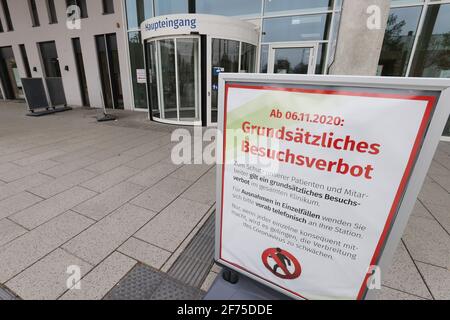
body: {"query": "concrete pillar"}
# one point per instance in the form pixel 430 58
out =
pixel 360 38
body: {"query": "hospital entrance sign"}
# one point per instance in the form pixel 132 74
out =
pixel 318 176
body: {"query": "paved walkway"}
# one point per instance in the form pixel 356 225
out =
pixel 106 197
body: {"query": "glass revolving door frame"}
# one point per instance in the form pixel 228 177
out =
pixel 182 88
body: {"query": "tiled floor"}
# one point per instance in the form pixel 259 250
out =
pixel 105 197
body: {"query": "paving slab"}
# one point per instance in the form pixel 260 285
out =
pixel 63 183
pixel 427 241
pixel 24 251
pixel 191 172
pixel 100 206
pixel 46 210
pixel 10 231
pixel 39 157
pixel 19 202
pixel 173 225
pixel 22 172
pixel 108 180
pixel 145 253
pixel 162 194
pixel 438 280
pixel 391 294
pixel 204 190
pixel 154 174
pixel 102 278
pixel 48 278
pixel 404 276
pixel 420 211
pixel 66 168
pixel 109 164
pixel 23 184
pixel 99 241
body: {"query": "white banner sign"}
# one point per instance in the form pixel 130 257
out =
pixel 312 181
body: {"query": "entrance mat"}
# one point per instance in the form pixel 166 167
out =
pixel 145 283
pixel 48 112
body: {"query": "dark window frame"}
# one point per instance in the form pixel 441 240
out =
pixel 35 22
pixel 82 4
pixel 106 5
pixel 7 13
pixel 52 14
pixel 26 62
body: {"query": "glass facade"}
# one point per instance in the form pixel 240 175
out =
pixel 427 55
pixel 399 40
pixel 316 21
pixel 138 11
pixel 137 66
pixel 229 7
pixel 296 28
pixel 287 6
pixel 163 7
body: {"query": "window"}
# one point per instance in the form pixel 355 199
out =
pixel 26 63
pixel 163 7
pixel 34 13
pixel 52 16
pixel 229 7
pixel 9 24
pixel 108 6
pixel 398 41
pixel 50 59
pixel 287 6
pixel 138 11
pixel 137 64
pixel 432 56
pixel 248 58
pixel 296 28
pixel 81 4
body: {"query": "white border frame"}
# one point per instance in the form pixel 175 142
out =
pixel 313 46
pixel 423 161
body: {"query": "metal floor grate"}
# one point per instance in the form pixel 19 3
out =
pixel 194 264
pixel 145 283
pixel 183 280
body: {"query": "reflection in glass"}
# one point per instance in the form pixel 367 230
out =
pixel 248 58
pixel 432 56
pixel 152 79
pixel 225 57
pixel 163 7
pixel 321 55
pixel 168 75
pixel 50 59
pixel 297 28
pixel 292 60
pixel 187 51
pixel 137 63
pixel 284 6
pixel 229 7
pixel 264 58
pixel 398 40
pixel 138 11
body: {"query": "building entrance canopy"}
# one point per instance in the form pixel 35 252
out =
pixel 184 56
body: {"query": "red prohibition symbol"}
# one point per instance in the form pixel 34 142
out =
pixel 281 263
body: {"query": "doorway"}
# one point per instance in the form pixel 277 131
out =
pixel 81 71
pixel 52 73
pixel 292 58
pixel 174 86
pixel 10 77
pixel 109 67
